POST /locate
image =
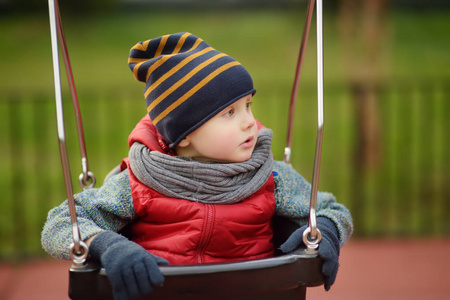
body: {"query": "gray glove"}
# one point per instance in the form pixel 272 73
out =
pixel 131 270
pixel 329 248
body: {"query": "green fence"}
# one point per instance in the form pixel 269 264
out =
pixel 406 193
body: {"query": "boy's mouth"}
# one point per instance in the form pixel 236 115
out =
pixel 248 143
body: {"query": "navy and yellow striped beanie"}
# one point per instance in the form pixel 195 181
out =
pixel 187 82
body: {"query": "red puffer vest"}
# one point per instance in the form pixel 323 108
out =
pixel 186 232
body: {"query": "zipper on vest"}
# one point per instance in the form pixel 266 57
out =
pixel 206 232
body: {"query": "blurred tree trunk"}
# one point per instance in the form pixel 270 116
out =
pixel 363 35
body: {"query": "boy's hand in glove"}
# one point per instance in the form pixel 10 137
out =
pixel 328 248
pixel 131 269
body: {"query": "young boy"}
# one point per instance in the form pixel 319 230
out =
pixel 200 184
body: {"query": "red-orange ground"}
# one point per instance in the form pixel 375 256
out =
pixel 370 269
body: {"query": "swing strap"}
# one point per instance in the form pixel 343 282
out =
pixel 86 178
pixel 312 235
pixel 78 249
pixel 287 149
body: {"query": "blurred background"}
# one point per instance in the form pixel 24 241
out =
pixel 387 108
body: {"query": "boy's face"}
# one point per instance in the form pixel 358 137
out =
pixel 229 136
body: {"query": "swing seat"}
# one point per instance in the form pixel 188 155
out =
pixel 285 276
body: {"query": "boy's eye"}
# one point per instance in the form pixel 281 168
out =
pixel 248 105
pixel 230 112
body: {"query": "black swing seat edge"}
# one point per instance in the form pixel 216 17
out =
pixel 213 267
pixel 285 277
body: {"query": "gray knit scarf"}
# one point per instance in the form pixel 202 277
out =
pixel 204 182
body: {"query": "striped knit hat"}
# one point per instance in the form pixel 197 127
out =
pixel 187 82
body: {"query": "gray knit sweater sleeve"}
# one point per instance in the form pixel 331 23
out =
pixel 109 207
pixel 292 195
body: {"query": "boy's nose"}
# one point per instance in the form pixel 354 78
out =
pixel 249 121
